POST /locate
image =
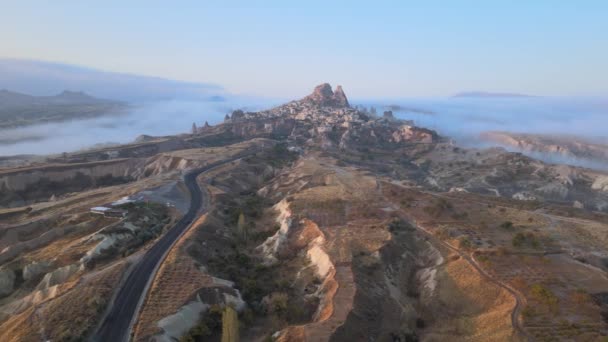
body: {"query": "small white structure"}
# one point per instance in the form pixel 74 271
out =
pixel 99 210
pixel 108 212
pixel 122 201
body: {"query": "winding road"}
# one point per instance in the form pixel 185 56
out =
pixel 123 312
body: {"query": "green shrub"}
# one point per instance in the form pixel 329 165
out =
pixel 278 304
pixel 465 243
pixel 543 294
pixel 399 225
pixel 518 240
pixel 440 206
pixel 506 225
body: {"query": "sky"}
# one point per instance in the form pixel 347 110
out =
pixel 283 48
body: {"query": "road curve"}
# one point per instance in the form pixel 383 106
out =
pixel 117 323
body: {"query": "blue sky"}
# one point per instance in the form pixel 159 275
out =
pixel 372 48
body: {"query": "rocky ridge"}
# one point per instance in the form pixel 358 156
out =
pixel 325 118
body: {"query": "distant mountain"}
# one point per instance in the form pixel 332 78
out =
pixel 17 109
pixel 483 94
pixel 46 78
pixel 11 99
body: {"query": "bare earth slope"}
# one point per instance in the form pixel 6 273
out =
pixel 322 223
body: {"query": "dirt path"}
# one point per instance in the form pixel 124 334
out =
pixel 519 298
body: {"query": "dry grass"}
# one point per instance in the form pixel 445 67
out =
pixel 24 327
pixel 73 315
pixel 69 249
pixel 521 266
pixel 473 309
pixel 69 316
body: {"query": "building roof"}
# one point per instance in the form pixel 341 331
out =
pixel 123 200
pixel 100 209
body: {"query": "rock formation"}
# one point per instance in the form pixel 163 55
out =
pixel 7 281
pixel 237 115
pixel 340 98
pixel 325 97
pixel 35 269
pixel 324 118
pixel 572 149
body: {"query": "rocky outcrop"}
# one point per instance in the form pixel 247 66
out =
pixel 222 293
pixel 17 247
pixel 340 99
pixel 325 119
pixel 271 246
pixel 107 241
pixel 35 269
pixel 23 186
pixel 237 115
pixel 263 127
pixel 58 276
pixel 600 183
pixel 407 133
pixel 524 196
pixel 7 282
pixel 324 96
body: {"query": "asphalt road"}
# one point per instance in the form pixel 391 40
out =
pixel 116 326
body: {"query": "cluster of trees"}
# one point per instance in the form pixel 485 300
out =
pixel 438 207
pixel 521 239
pixel 215 320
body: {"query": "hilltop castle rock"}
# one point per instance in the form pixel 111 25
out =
pixel 325 97
pixel 324 119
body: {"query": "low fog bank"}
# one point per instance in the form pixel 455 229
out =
pixel 467 117
pixel 42 78
pixel 464 119
pixel 158 106
pixel 152 118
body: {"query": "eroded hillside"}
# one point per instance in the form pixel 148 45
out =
pixel 319 222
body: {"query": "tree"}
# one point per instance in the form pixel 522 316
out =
pixel 241 226
pixel 194 129
pixel 230 325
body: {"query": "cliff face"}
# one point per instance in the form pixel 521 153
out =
pixel 22 179
pixel 24 186
pixel 560 146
